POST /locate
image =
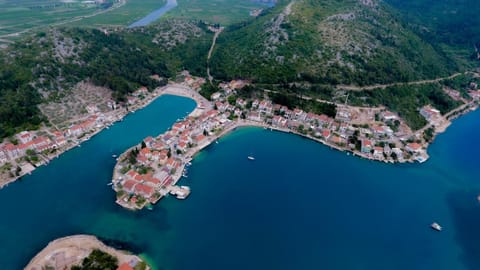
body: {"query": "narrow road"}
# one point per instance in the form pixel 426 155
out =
pixel 383 86
pixel 217 33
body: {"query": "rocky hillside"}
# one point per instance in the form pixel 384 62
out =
pixel 359 42
pixel 46 65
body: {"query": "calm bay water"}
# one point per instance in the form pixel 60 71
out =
pixel 299 205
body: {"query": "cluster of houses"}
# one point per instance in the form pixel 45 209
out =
pixel 35 142
pixel 192 82
pixel 29 140
pixel 377 140
pixel 160 161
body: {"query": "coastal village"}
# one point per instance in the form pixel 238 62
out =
pixel 27 150
pixel 150 170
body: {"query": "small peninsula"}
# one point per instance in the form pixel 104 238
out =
pixel 80 251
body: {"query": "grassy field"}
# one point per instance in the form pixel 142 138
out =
pixel 214 11
pixel 125 15
pixel 20 15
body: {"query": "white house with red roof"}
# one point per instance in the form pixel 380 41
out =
pixel 414 147
pixel 25 136
pixel 11 150
pixel 367 146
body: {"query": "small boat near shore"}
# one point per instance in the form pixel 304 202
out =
pixel 435 226
pixel 251 158
pixel 109 184
pixel 149 206
pixel 114 156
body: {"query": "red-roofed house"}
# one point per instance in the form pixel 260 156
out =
pixel 182 146
pixel 414 147
pixel 144 190
pixel 25 136
pixel 132 174
pixel 326 133
pixel 367 146
pixel 11 150
pixel 200 139
pixel 129 186
pixel 125 266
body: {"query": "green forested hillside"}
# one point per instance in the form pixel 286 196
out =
pixel 317 44
pixel 44 65
pixel 453 25
pixel 337 42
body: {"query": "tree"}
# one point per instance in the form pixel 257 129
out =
pixel 98 260
pixel 144 144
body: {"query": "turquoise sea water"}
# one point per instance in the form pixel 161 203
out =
pixel 299 205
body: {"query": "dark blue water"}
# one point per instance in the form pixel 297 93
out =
pixel 155 15
pixel 71 195
pixel 299 205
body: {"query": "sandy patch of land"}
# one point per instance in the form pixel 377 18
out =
pixel 65 252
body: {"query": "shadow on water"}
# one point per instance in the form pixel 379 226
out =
pixel 121 245
pixel 465 211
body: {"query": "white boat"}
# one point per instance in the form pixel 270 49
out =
pixel 251 158
pixel 436 227
pixel 109 184
pixel 114 156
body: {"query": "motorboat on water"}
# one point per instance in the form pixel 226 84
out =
pixel 436 226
